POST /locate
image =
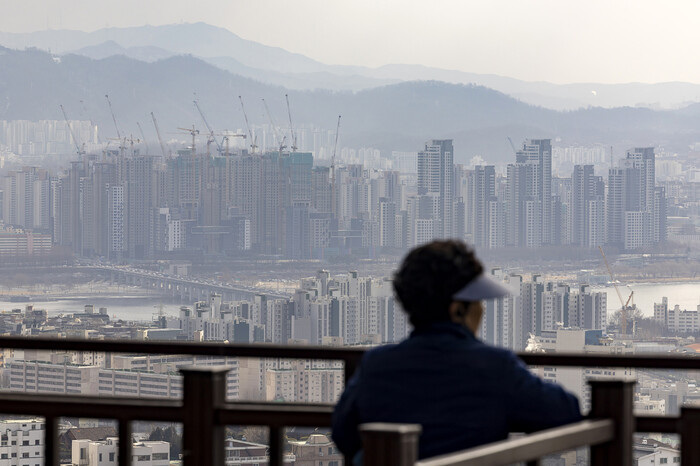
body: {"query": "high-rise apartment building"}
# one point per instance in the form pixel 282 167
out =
pixel 587 207
pixel 436 176
pixel 481 193
pixel 636 210
pixel 530 195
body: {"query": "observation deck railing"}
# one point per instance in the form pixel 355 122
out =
pixel 205 413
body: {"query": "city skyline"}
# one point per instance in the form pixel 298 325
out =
pixel 468 232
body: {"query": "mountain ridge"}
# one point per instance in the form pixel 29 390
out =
pixel 278 66
pixel 392 117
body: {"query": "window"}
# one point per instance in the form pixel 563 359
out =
pixel 111 456
pixel 36 442
pixel 663 460
pixel 100 457
pixel 25 442
pixel 160 456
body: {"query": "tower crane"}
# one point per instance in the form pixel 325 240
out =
pixel 143 136
pixel 291 128
pixel 194 132
pixel 278 136
pixel 80 149
pixel 625 305
pixel 114 119
pixel 253 141
pixel 227 136
pixel 206 123
pixel 160 140
pixel 515 151
pixel 335 146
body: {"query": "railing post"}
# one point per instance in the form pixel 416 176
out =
pixel 204 390
pixel 385 444
pixel 689 428
pixel 51 450
pixel 125 442
pixel 276 438
pixel 613 400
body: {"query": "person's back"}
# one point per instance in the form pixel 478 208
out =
pixel 463 392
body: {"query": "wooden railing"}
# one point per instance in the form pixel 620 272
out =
pixel 608 432
pixel 204 411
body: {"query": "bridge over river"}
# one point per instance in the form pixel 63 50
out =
pixel 186 289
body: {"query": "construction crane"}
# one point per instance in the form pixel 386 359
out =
pixel 123 143
pixel 227 136
pixel 625 304
pixel 211 131
pixel 291 127
pixel 114 119
pixel 278 136
pixel 160 140
pixel 512 145
pixel 80 149
pixel 335 146
pixel 194 132
pixel 253 141
pixel 143 136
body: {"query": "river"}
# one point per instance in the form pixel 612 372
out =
pixel 143 308
pixel 137 308
pixel 686 295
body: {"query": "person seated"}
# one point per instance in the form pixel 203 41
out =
pixel 462 391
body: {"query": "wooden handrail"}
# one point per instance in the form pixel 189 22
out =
pixel 608 433
pixel 530 447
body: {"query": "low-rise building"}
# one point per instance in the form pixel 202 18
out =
pixel 244 453
pixel 576 379
pixel 304 382
pixel 660 455
pixel 106 453
pixel 22 442
pixel 317 450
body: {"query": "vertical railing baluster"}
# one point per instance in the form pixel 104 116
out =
pixel 349 368
pixel 689 428
pixel 276 434
pixel 613 400
pixel 125 442
pixel 51 451
pixel 204 390
pixel 386 444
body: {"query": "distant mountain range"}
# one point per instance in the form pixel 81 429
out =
pixel 273 65
pixel 398 116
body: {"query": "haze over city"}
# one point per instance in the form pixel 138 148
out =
pixel 541 40
pixel 250 173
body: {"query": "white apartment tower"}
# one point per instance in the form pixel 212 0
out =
pixel 436 176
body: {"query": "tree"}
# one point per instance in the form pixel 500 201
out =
pixel 171 435
pixel 644 327
pixel 255 434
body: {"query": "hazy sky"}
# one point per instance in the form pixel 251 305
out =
pixel 553 40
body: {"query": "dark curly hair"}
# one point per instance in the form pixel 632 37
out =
pixel 430 275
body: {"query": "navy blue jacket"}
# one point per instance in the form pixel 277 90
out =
pixel 462 392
